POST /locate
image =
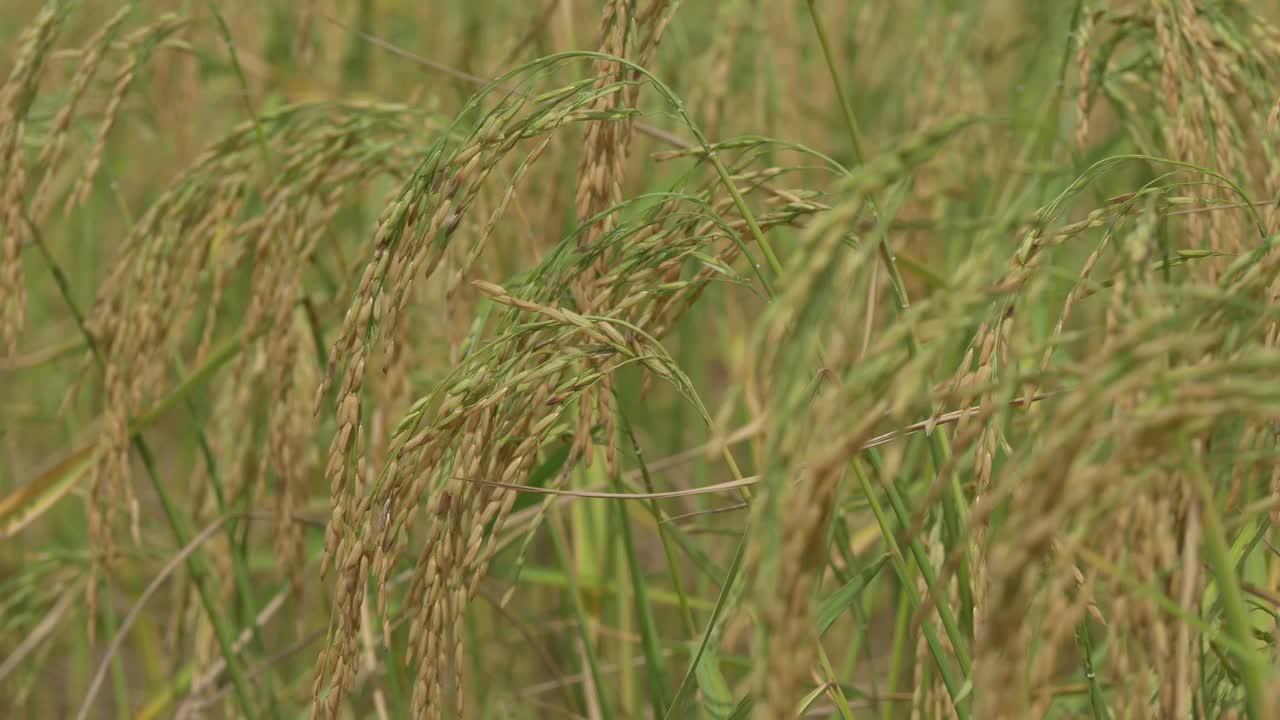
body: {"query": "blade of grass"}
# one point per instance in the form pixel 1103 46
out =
pixel 833 683
pixel 258 131
pixel 830 609
pixel 949 624
pixel 900 652
pixel 743 710
pixel 907 581
pixel 1253 669
pixel 717 698
pixel 673 569
pixel 35 497
pixel 726 591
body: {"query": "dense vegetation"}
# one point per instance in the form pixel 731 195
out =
pixel 639 359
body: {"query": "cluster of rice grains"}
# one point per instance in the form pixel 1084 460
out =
pixel 1209 72
pixel 1113 496
pixel 24 197
pixel 600 174
pixel 1115 492
pixel 1111 506
pixel 169 281
pixel 598 302
pixel 811 324
pixel 199 235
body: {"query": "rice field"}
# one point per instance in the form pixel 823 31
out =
pixel 627 359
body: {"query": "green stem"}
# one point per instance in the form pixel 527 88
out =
pixel 196 563
pixel 899 652
pixel 579 610
pixel 239 559
pixel 850 120
pixel 908 587
pixel 939 447
pixel 930 578
pixel 741 204
pixel 258 131
pixel 1095 692
pixel 673 567
pixel 118 682
pixel 1218 553
pixel 841 701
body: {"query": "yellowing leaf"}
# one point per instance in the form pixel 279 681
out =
pixel 36 497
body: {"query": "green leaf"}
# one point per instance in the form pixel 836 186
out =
pixel 726 591
pixel 809 699
pixel 830 609
pixel 542 473
pixel 659 693
pixel 717 698
pixel 743 711
pixel 33 499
